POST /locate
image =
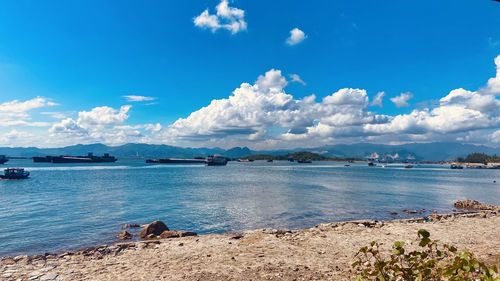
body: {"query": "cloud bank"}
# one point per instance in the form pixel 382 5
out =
pixel 263 115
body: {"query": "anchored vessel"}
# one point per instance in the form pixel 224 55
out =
pixel 176 161
pixel 14 174
pixel 3 159
pixel 90 158
pixel 216 160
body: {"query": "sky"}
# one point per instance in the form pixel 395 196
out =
pixel 263 74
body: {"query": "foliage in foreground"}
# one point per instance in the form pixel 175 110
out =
pixel 433 262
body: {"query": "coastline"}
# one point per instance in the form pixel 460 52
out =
pixel 323 252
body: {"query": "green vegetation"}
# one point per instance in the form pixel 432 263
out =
pixel 477 157
pixel 433 263
pixel 303 155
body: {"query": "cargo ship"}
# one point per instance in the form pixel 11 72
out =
pixel 44 159
pixel 90 158
pixel 3 159
pixel 175 161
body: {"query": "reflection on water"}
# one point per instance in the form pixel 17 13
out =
pixel 71 206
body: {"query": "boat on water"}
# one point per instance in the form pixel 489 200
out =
pixel 456 166
pixel 176 161
pixel 245 160
pixel 408 166
pixel 90 158
pixel 3 159
pixel 270 160
pixel 371 164
pixel 304 161
pixel 15 174
pixel 216 160
pixel 42 159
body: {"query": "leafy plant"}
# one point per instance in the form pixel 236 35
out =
pixel 433 262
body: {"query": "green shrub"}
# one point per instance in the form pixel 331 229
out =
pixel 433 262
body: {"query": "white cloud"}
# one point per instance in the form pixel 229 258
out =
pixel 402 99
pixel 296 36
pixel 18 113
pixel 101 124
pixel 263 115
pixel 226 17
pixel 134 98
pixel 378 99
pixel 495 136
pixel 493 86
pixel 16 138
pixel 296 78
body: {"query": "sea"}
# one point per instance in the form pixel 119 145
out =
pixel 70 206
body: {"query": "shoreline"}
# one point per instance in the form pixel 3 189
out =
pixel 323 252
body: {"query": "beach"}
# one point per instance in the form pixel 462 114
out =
pixel 324 252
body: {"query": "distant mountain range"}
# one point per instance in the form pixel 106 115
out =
pixel 420 151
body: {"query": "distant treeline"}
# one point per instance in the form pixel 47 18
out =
pixel 477 157
pixel 301 155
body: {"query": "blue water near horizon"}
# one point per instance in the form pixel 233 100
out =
pixel 70 206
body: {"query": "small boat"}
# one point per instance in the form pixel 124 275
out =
pixel 216 160
pixel 347 165
pixel 409 166
pixel 3 159
pixel 304 161
pixel 371 164
pixel 14 174
pixel 269 160
pixel 456 166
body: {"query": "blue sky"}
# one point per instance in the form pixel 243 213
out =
pixel 82 55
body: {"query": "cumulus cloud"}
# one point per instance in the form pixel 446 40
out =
pixel 226 18
pixel 17 113
pixel 264 115
pixel 402 99
pixel 101 124
pixel 16 138
pixel 296 36
pixel 297 79
pixel 495 136
pixel 134 98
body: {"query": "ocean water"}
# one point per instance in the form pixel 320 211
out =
pixel 70 206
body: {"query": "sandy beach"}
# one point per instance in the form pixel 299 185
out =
pixel 324 252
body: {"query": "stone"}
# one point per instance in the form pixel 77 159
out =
pixel 156 228
pixel 170 234
pixel 124 235
pixel 187 233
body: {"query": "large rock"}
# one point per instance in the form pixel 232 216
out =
pixel 475 205
pixel 156 228
pixel 124 235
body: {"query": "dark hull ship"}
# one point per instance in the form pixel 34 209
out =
pixel 175 161
pixel 90 158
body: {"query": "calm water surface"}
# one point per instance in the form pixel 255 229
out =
pixel 71 206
